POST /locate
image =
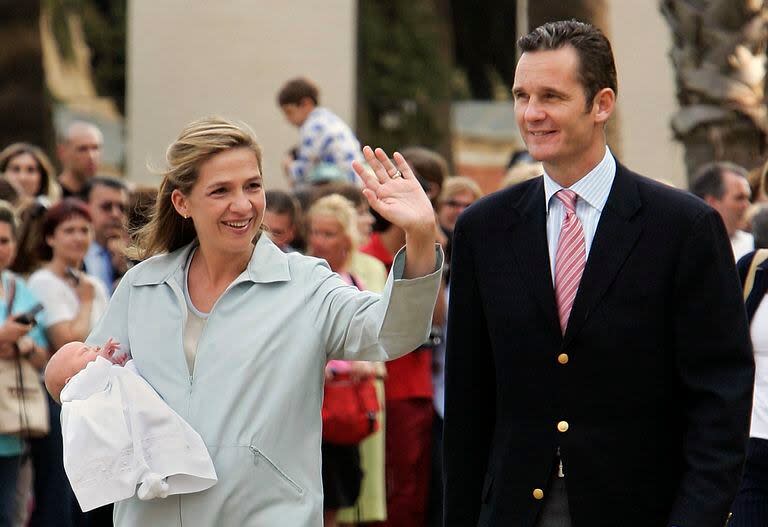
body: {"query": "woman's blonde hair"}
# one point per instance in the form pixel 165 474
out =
pixel 457 184
pixel 202 139
pixel 340 209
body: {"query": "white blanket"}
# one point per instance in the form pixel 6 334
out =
pixel 119 434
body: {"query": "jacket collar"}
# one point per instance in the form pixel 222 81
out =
pixel 267 264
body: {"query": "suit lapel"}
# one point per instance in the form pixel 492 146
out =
pixel 530 250
pixel 617 232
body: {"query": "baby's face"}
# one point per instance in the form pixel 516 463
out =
pixel 67 362
pixel 79 355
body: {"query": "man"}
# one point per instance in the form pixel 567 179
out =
pixel 281 217
pixel 599 370
pixel 80 155
pixel 725 188
pixel 107 200
pixel 325 139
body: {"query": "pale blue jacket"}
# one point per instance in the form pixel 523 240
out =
pixel 257 387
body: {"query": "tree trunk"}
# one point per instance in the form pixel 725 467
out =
pixel 594 12
pixel 719 54
pixel 24 102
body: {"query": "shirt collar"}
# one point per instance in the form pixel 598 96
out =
pixel 267 264
pixel 592 188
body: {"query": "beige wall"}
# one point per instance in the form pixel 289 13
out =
pixel 647 100
pixel 191 58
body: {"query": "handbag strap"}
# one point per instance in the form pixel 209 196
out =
pixel 23 420
pixel 10 294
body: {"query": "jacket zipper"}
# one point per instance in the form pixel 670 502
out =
pixel 259 454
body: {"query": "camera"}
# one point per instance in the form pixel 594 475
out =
pixel 28 317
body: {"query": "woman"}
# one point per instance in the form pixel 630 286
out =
pixel 332 231
pixel 369 269
pixel 29 169
pixel 751 505
pixel 73 303
pixel 32 347
pixel 234 334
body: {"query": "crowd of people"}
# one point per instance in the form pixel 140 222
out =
pixel 536 418
pixel 67 241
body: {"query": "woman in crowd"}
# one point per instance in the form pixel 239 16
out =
pixel 73 302
pixel 32 347
pixel 458 193
pixel 27 167
pixel 750 508
pixel 234 334
pixel 363 266
pixel 332 234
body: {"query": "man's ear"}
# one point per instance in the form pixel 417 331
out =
pixel 711 201
pixel 61 153
pixel 604 104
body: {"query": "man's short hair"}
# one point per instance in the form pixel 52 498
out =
pixel 708 179
pixel 597 69
pixel 297 89
pixel 282 202
pixel 103 181
pixel 427 163
pixel 65 135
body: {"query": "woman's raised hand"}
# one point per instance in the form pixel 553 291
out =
pixel 393 191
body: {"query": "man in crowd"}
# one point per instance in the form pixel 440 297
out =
pixel 725 188
pixel 599 369
pixel 107 200
pixel 281 217
pixel 324 137
pixel 79 152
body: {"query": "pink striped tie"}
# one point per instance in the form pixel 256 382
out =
pixel 570 259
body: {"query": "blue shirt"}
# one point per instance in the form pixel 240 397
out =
pixel 592 190
pixel 325 138
pixel 11 445
pixel 98 263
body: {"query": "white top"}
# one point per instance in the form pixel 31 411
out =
pixel 759 330
pixel 742 243
pixel 60 300
pixel 592 190
pixel 118 433
pixel 196 319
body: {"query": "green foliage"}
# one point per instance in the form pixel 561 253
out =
pixel 104 23
pixel 405 78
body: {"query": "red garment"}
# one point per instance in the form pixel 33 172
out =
pixel 376 248
pixel 408 453
pixel 411 375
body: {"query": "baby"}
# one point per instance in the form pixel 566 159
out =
pixel 118 433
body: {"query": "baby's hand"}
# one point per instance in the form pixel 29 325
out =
pixel 109 350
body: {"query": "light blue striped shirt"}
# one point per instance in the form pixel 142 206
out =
pixel 593 190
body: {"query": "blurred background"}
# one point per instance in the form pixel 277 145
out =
pixel 431 72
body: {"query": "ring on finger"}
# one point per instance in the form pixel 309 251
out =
pixel 396 175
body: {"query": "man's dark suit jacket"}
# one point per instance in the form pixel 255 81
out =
pixel 657 387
